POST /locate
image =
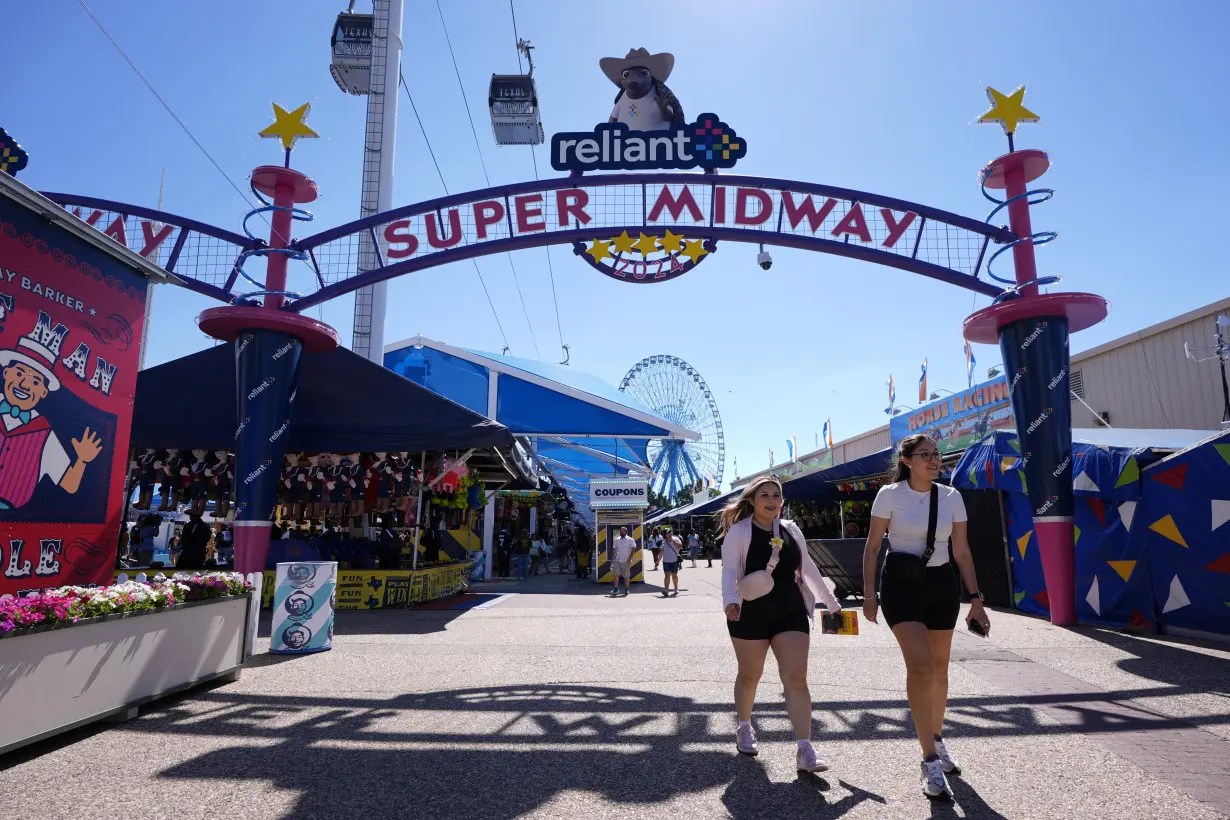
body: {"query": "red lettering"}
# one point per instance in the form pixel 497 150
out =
pixel 667 201
pixel 454 230
pixel 854 224
pixel 640 269
pixel 487 214
pixel 116 231
pixel 152 241
pixel 742 197
pixel 658 273
pixel 676 265
pixel 92 218
pixel 571 203
pixel 719 205
pixel 398 233
pixel 525 213
pixel 895 228
pixel 621 266
pixel 807 208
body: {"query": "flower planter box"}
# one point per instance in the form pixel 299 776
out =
pixel 56 678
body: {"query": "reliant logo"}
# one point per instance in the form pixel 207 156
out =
pixel 278 432
pixel 243 345
pixel 252 476
pixel 1050 502
pixel 1062 466
pixel 293 393
pixel 1046 414
pixel 1030 338
pixel 260 388
pixel 282 351
pixel 242 426
pixel 1019 374
pixel 1023 460
pixel 707 143
pixel 1058 378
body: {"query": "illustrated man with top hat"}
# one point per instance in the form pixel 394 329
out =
pixel 29 448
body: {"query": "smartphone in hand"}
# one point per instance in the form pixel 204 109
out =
pixel 976 628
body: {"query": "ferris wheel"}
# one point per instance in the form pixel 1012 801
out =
pixel 673 390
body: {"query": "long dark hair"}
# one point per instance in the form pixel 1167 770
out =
pixel 901 470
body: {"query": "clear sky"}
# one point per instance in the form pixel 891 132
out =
pixel 879 97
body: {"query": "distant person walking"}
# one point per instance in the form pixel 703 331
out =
pixel 193 542
pixel 919 592
pixel 521 555
pixel 655 547
pixel 621 561
pixel 770 586
pixel 672 548
pixel 503 552
pixel 693 546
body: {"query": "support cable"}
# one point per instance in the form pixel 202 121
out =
pixel 482 162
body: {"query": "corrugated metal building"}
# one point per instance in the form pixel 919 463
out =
pixel 1145 381
pixel 1140 381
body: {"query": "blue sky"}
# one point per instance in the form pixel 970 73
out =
pixel 879 97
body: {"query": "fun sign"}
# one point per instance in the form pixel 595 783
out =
pixel 70 326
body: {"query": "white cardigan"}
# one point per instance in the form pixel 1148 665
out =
pixel 734 558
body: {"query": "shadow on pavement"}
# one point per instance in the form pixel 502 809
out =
pixel 1174 661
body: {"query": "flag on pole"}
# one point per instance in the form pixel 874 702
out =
pixel 892 395
pixel 970 361
pixel 922 383
pixel 792 447
pixel 770 458
pixel 828 433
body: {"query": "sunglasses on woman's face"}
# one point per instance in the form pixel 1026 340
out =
pixel 927 456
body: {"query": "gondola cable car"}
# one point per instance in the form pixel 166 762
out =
pixel 351 47
pixel 513 100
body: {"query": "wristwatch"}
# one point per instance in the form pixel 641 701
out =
pixel 972 595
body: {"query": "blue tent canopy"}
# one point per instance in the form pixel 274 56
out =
pixel 344 404
pixel 820 485
pixel 581 427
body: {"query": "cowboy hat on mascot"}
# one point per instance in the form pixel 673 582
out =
pixel 644 103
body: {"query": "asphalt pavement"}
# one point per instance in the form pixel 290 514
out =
pixel 552 699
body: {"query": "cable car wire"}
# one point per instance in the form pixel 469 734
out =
pixel 512 10
pixel 163 102
pixel 444 185
pixel 474 131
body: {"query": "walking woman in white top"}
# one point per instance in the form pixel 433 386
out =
pixel 919 592
pixel 769 588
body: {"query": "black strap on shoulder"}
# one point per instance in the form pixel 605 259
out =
pixel 932 514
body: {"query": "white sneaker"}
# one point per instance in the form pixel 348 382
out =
pixel 934 783
pixel 745 741
pixel 809 760
pixel 950 765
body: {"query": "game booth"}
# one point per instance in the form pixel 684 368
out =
pixel 360 478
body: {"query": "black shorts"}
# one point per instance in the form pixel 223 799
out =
pixel 763 629
pixel 935 603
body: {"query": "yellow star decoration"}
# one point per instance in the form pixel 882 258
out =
pixel 289 126
pixel 673 242
pixel 624 243
pixel 694 249
pixel 646 244
pixel 599 250
pixel 1008 111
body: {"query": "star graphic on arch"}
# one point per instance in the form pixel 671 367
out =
pixel 623 243
pixel 694 249
pixel 1008 110
pixel 93 312
pixel 646 244
pixel 289 126
pixel 672 243
pixel 599 250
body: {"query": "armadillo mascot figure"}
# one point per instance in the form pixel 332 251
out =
pixel 644 103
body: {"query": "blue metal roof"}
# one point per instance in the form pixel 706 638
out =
pixel 581 426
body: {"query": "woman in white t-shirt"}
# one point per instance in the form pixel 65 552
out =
pixel 922 604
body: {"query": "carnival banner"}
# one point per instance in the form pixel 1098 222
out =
pixel 959 420
pixel 70 341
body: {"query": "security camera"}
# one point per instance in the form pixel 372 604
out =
pixel 763 259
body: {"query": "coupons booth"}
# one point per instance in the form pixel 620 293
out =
pixel 617 503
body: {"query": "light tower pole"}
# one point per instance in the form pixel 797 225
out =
pixel 379 149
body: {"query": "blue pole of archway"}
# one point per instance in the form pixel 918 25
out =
pixel 1032 331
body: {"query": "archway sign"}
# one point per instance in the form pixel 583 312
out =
pixel 667 197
